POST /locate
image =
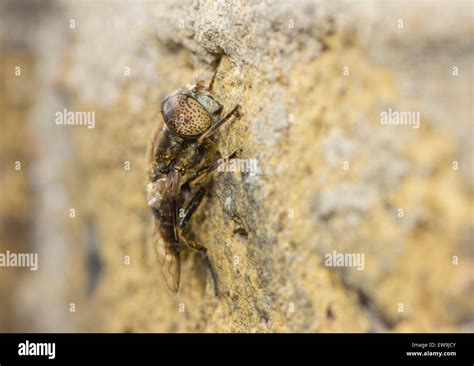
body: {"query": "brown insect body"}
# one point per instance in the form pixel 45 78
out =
pixel 181 157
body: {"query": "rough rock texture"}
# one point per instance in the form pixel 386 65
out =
pixel 312 79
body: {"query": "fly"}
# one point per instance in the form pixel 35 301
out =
pixel 181 158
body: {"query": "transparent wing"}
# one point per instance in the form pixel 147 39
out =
pixel 165 235
pixel 170 261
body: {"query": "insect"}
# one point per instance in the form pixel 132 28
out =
pixel 181 158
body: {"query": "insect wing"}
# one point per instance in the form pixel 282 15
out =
pixel 165 235
pixel 170 261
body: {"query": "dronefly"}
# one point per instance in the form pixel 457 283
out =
pixel 181 158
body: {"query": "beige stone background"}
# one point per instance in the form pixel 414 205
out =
pixel 312 78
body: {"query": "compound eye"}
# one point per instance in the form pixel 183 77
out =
pixel 185 116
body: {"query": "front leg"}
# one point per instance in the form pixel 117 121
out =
pixel 216 125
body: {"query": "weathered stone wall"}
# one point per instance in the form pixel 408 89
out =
pixel 312 79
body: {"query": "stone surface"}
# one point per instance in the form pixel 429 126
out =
pixel 313 79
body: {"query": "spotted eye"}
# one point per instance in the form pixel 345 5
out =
pixel 185 116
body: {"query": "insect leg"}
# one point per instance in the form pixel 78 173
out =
pixel 211 268
pixel 210 88
pixel 203 250
pixel 192 206
pixel 216 125
pixel 204 173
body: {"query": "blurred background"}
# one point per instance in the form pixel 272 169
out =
pixel 358 114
